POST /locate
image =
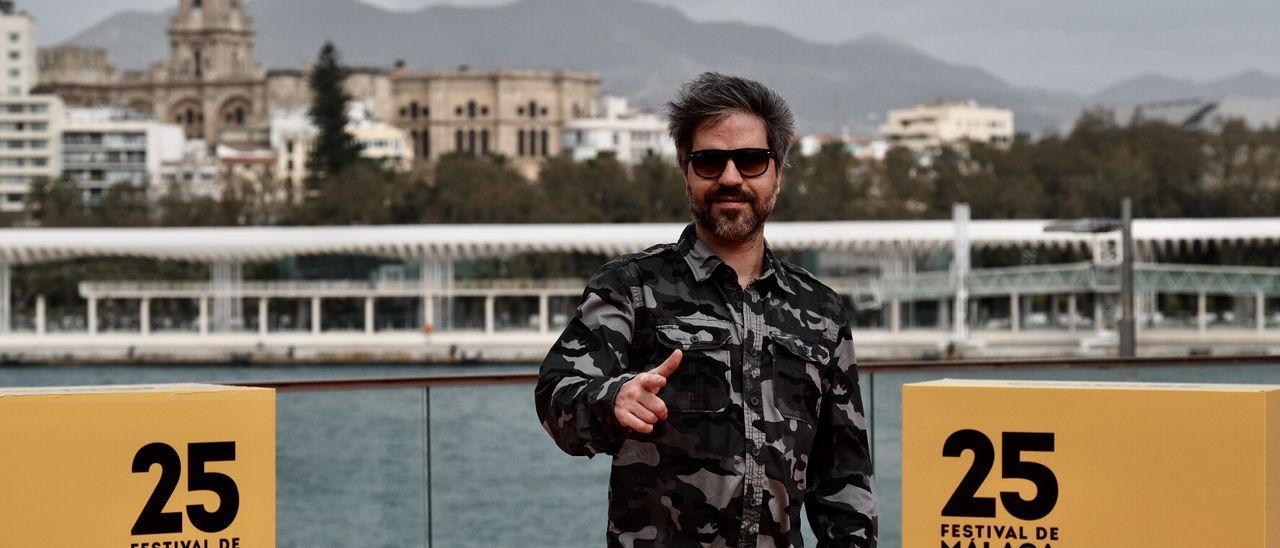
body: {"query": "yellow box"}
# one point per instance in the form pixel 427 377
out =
pixel 1089 465
pixel 136 466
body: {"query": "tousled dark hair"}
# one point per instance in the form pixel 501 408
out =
pixel 712 96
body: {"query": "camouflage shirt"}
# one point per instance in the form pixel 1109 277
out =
pixel 764 411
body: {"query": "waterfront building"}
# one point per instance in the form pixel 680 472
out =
pixel 904 296
pixel 925 127
pixel 612 127
pixel 104 147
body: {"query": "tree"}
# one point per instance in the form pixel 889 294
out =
pixel 659 181
pixel 122 205
pixel 479 189
pixel 334 149
pixel 57 202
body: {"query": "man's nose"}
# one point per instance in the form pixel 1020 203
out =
pixel 730 176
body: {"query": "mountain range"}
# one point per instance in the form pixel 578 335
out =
pixel 644 51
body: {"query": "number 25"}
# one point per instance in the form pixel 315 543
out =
pixel 154 520
pixel 964 503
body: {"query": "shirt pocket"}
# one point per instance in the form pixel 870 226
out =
pixel 701 383
pixel 798 364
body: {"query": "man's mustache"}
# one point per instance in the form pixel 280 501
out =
pixel 735 193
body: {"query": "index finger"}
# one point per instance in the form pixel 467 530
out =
pixel 669 366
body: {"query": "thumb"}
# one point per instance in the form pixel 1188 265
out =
pixel 669 365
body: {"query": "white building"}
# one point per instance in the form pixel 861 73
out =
pixel 17 51
pixel 194 174
pixel 30 125
pixel 292 133
pixel 103 147
pixel 612 127
pixel 946 122
pixel 30 146
pixel 862 149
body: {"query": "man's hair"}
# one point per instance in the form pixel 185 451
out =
pixel 712 96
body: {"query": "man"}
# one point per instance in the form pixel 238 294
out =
pixel 720 378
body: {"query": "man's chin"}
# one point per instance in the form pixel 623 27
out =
pixel 735 228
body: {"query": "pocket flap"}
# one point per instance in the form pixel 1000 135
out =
pixel 801 348
pixel 692 337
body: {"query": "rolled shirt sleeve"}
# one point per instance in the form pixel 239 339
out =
pixel 840 498
pixel 580 377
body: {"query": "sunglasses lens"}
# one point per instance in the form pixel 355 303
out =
pixel 709 164
pixel 751 162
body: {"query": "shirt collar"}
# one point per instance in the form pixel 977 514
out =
pixel 703 262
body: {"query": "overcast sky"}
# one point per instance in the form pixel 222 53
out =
pixel 1076 45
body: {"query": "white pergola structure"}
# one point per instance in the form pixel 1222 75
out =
pixel 437 247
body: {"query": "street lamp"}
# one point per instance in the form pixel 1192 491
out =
pixel 1125 225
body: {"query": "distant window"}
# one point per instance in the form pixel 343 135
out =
pixel 404 112
pixel 14 55
pixel 544 111
pixel 533 143
pixel 471 109
pixel 413 110
pixel 458 111
pixel 484 141
pixel 544 142
pixel 13 198
pixel 197 3
pixel 39 126
pixel 520 111
pixel 520 142
pixel 533 109
pixel 14 37
pixel 484 111
pixel 38 108
pixel 457 138
pixel 15 90
pixel 13 109
pixel 471 141
pixel 14 73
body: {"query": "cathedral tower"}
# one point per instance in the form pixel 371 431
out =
pixel 212 86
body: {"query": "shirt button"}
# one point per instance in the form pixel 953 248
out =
pixel 755 401
pixel 755 449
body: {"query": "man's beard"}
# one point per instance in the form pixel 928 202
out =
pixel 734 225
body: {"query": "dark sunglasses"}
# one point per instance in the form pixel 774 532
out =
pixel 750 162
